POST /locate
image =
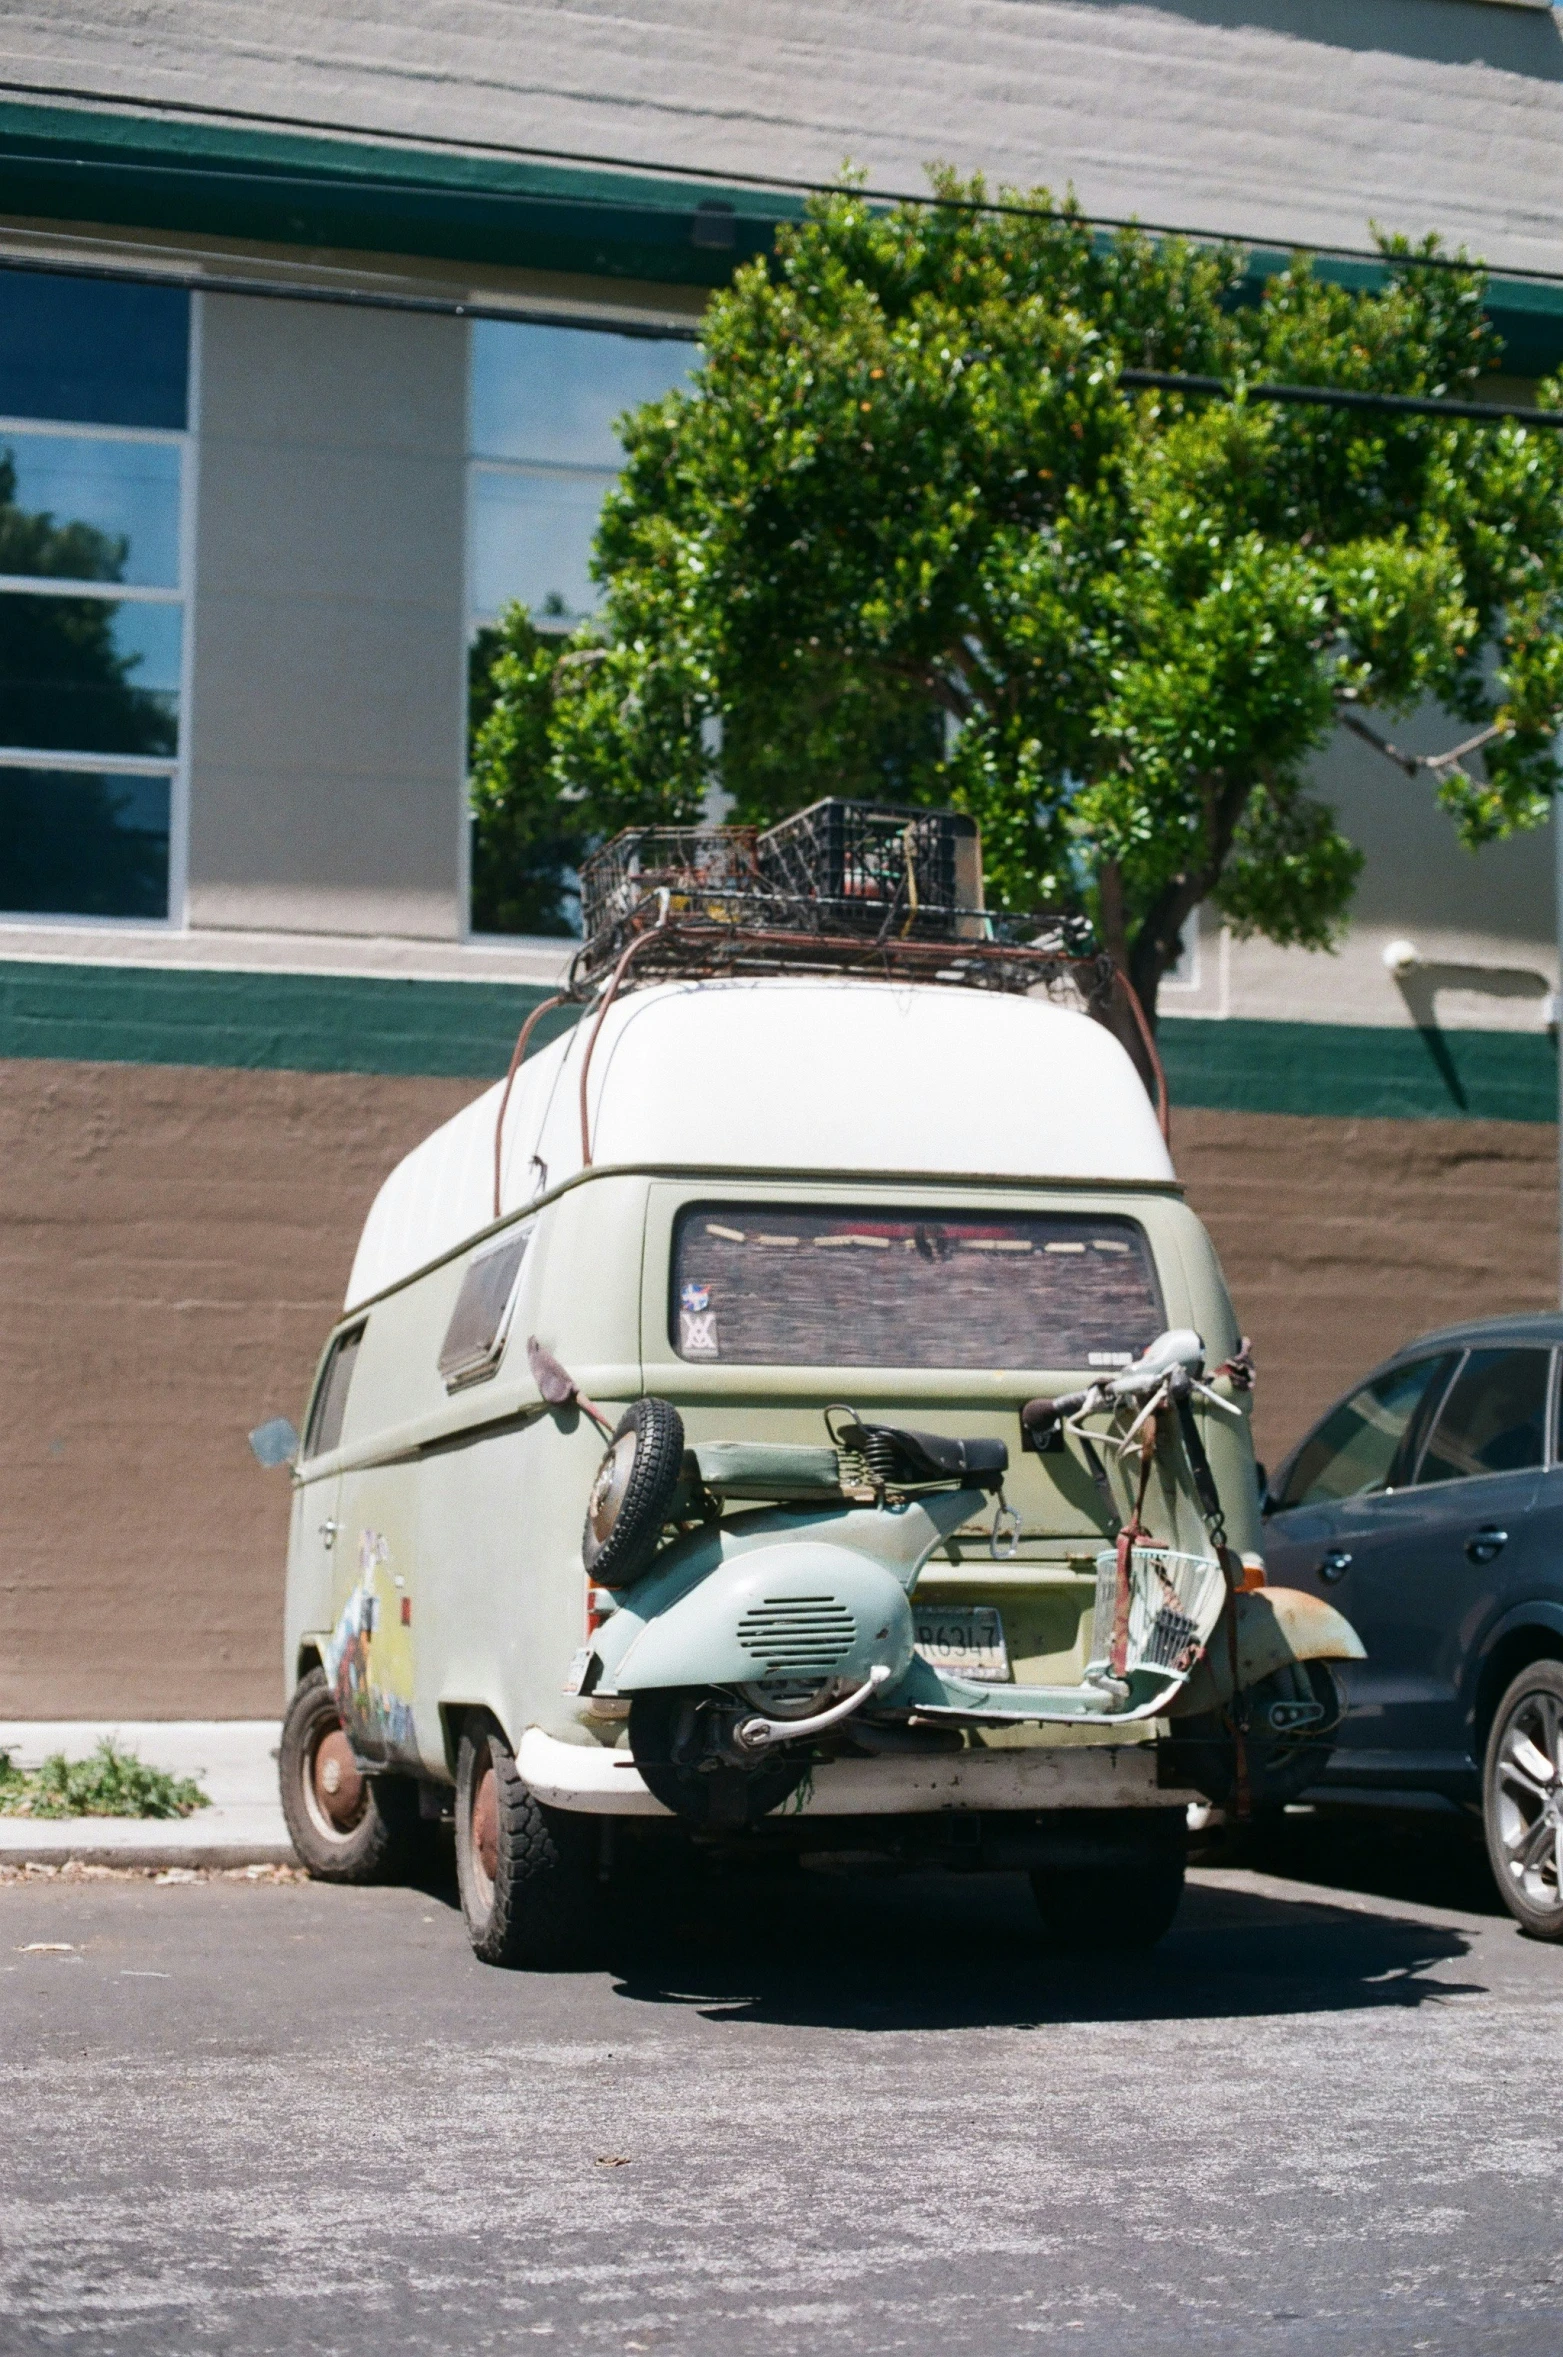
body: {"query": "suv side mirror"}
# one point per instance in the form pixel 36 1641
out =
pixel 274 1442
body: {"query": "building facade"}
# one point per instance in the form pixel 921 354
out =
pixel 313 328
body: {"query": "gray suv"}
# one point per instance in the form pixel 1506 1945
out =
pixel 1428 1505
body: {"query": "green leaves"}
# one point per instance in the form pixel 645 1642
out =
pixel 908 537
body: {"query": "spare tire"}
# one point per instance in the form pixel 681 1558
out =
pixel 633 1493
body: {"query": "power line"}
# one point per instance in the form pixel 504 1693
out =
pixel 781 183
pixel 1342 397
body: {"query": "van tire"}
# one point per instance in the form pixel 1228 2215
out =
pixel 1118 1909
pixel 374 1837
pixel 657 1431
pixel 527 1874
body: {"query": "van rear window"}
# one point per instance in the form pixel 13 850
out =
pixel 761 1285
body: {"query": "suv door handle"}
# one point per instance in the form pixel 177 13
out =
pixel 1334 1566
pixel 1484 1545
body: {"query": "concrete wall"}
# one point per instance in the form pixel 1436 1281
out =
pixel 327 731
pixel 1275 119
pixel 1483 922
pixel 174 1243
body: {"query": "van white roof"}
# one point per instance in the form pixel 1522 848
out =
pixel 795 1073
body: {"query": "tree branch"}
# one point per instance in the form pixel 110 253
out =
pixel 1412 762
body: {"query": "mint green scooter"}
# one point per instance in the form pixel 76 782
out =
pixel 750 1639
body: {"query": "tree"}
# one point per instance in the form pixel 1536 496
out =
pixel 909 535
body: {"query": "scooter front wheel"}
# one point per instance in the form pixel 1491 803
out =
pixel 676 1737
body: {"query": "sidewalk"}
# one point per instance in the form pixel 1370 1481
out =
pixel 235 1760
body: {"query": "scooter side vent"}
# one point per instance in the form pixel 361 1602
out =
pixel 797 1634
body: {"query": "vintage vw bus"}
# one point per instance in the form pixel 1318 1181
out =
pixel 797 1412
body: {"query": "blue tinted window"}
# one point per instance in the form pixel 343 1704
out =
pixel 76 844
pixel 544 405
pixel 84 508
pixel 92 351
pixel 89 675
pixel 554 392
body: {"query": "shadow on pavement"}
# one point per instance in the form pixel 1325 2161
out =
pixel 953 1952
pixel 1431 1860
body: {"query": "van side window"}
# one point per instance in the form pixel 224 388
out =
pixel 324 1430
pixel 768 1285
pixel 475 1338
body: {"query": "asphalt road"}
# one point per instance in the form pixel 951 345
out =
pixel 811 2116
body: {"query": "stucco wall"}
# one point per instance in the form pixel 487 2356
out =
pixel 174 1243
pixel 329 701
pixel 1280 120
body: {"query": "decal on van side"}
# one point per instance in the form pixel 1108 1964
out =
pixel 369 1661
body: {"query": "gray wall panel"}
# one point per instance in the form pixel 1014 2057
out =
pixel 326 748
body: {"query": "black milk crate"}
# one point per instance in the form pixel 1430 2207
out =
pixel 703 870
pixel 865 867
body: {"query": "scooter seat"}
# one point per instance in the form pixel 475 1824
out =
pixel 900 1454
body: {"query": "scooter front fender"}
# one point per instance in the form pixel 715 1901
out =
pixel 798 1609
pixel 1275 1627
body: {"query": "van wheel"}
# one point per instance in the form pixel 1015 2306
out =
pixel 345 1826
pixel 1118 1909
pixel 527 1874
pixel 1522 1800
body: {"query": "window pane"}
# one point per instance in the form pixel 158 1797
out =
pixel 92 351
pixel 324 1431
pixel 554 392
pixel 475 1337
pixel 1494 1420
pixel 85 510
pixel 82 845
pixel 1356 1447
pixel 769 1286
pixel 531 539
pixel 85 675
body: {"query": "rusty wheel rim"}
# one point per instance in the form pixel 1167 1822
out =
pixel 336 1791
pixel 485 1831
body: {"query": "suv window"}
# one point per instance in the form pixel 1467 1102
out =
pixel 767 1285
pixel 324 1430
pixel 1363 1443
pixel 1494 1419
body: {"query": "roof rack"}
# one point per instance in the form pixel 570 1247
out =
pixel 841 887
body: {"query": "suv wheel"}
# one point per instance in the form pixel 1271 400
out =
pixel 527 1874
pixel 345 1826
pixel 1522 1800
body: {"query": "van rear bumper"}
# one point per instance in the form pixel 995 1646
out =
pixel 603 1783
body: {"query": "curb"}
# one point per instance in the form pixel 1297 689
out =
pixel 163 1854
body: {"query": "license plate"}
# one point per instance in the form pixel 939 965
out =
pixel 965 1639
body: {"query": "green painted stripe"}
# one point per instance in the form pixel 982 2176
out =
pixel 62 163
pixel 1351 1071
pixel 262 1022
pixel 402 1025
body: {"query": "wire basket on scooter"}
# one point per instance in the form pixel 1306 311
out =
pixel 1175 1602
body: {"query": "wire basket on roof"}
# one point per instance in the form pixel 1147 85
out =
pixel 842 887
pixel 869 868
pixel 712 869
